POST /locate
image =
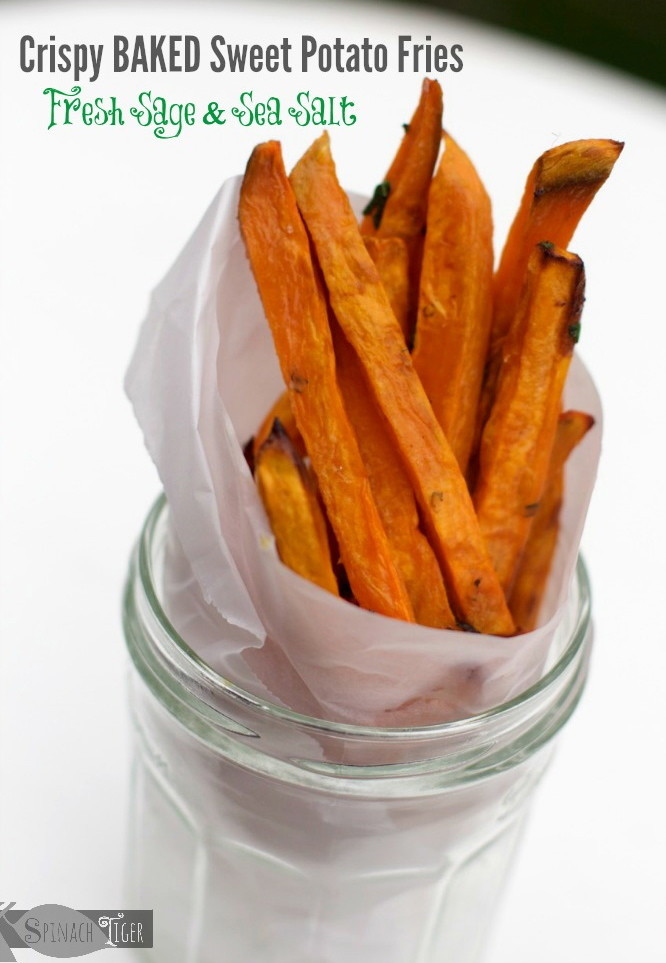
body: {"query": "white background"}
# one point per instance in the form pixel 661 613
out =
pixel 89 221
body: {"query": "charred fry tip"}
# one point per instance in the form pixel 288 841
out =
pixel 278 437
pixel 551 252
pixel 466 627
pixel 583 416
pixel 278 441
pixel 575 163
pixel 586 146
pixel 278 429
pixel 248 452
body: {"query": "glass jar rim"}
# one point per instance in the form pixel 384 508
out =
pixel 266 708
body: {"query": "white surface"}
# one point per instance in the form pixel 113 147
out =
pixel 89 221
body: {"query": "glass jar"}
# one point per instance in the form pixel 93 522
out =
pixel 258 834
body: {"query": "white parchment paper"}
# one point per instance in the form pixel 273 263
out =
pixel 203 375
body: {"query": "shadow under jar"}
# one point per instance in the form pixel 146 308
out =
pixel 258 834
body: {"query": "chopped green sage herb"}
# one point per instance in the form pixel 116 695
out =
pixel 375 206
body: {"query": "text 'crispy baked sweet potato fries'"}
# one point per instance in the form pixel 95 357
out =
pixel 439 471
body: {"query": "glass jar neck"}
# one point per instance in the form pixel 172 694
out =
pixel 343 758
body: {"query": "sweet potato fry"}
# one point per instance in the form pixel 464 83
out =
pixel 455 297
pixel 362 309
pixel 518 438
pixel 428 96
pixel 296 518
pixel 537 558
pixel 390 257
pixel 279 251
pixel 282 411
pixel 393 492
pixel 399 205
pixel 559 189
pixel 403 209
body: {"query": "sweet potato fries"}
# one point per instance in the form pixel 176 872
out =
pixel 295 307
pixel 440 472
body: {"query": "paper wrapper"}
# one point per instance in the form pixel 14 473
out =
pixel 203 375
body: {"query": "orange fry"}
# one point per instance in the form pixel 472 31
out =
pixel 403 211
pixel 279 251
pixel 281 410
pixel 362 309
pixel 455 298
pixel 518 438
pixel 537 558
pixel 296 518
pixel 428 96
pixel 399 205
pixel 393 492
pixel 559 189
pixel 390 257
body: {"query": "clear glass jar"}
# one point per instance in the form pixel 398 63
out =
pixel 262 835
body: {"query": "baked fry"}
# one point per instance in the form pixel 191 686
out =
pixel 403 209
pixel 535 564
pixel 391 259
pixel 297 521
pixel 393 492
pixel 518 438
pixel 281 410
pixel 455 297
pixel 558 191
pixel 399 204
pixel 399 162
pixel 363 311
pixel 279 251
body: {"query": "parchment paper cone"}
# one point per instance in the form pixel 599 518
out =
pixel 203 374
